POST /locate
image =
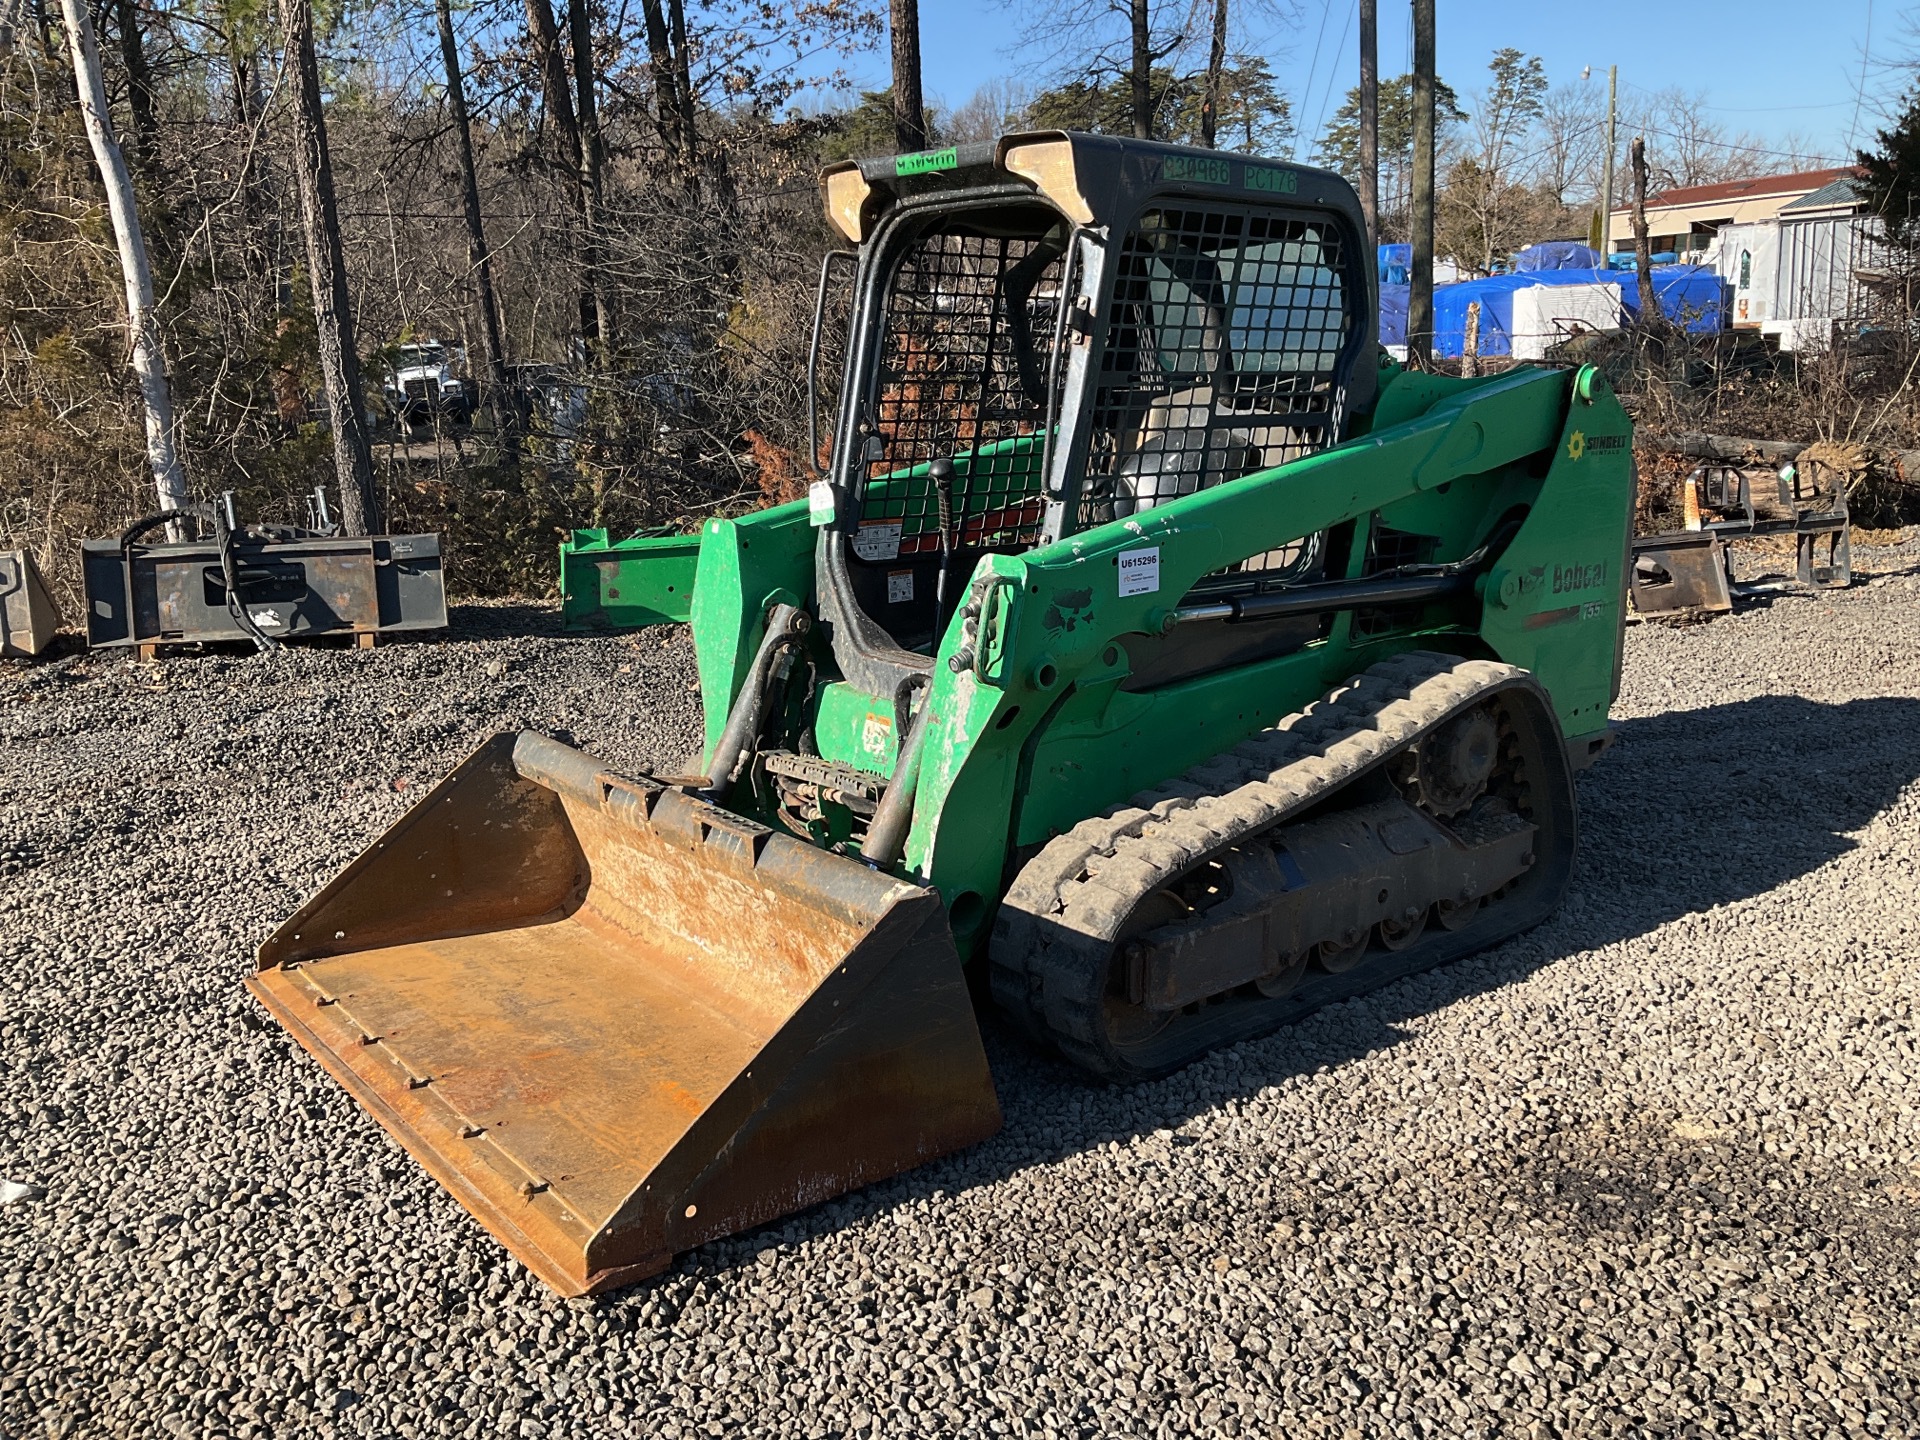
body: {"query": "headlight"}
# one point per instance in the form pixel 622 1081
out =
pixel 846 191
pixel 1046 159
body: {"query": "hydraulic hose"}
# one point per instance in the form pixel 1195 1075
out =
pixel 940 472
pixel 887 833
pixel 787 626
pixel 225 529
pixel 133 532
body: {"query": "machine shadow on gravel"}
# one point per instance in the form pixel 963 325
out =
pixel 506 620
pixel 1690 810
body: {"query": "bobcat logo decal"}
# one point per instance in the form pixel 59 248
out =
pixel 1070 610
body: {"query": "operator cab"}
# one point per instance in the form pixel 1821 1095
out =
pixel 1062 331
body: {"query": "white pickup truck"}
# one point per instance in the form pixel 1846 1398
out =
pixel 422 382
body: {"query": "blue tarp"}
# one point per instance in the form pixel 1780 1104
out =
pixel 1393 312
pixel 1691 295
pixel 1557 255
pixel 1393 262
pixel 1495 295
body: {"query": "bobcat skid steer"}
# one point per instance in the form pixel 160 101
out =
pixel 1155 663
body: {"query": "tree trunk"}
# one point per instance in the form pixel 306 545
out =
pixel 682 73
pixel 544 37
pixel 1216 68
pixel 1370 119
pixel 1140 73
pixel 327 268
pixel 587 109
pixel 143 333
pixel 259 200
pixel 544 33
pixel 666 82
pixel 1652 322
pixel 500 399
pixel 265 259
pixel 133 55
pixel 909 113
pixel 1420 297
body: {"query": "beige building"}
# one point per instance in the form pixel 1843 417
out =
pixel 1686 220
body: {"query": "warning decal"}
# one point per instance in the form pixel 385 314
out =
pixel 878 541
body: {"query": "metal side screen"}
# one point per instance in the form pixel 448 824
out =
pixel 1226 337
pixel 962 375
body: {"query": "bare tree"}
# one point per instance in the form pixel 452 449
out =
pixel 327 267
pixel 549 56
pixel 665 75
pixel 992 110
pixel 1216 65
pixel 1569 139
pixel 1140 69
pixel 586 108
pixel 1693 148
pixel 550 60
pixel 1650 317
pixel 140 99
pixel 149 364
pixel 499 394
pixel 1101 40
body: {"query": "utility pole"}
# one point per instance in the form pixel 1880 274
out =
pixel 1370 118
pixel 1420 297
pixel 1606 174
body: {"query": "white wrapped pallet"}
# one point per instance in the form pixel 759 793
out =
pixel 1544 315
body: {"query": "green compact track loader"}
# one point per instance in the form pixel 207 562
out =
pixel 1156 663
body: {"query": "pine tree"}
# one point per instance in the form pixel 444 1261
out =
pixel 1891 179
pixel 1339 147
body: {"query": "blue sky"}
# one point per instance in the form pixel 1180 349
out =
pixel 1767 66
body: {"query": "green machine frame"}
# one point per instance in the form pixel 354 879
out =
pixel 646 579
pixel 1519 483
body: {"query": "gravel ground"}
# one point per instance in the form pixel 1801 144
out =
pixel 1653 1169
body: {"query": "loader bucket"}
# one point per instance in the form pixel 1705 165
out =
pixel 617 1021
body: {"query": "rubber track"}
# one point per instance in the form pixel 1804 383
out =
pixel 1053 938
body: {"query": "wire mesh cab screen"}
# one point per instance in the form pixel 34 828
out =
pixel 962 374
pixel 1227 341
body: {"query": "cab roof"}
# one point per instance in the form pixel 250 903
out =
pixel 1096 180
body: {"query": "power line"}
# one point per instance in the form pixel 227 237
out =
pixel 1729 145
pixel 1866 49
pixel 1769 109
pixel 1333 69
pixel 1326 9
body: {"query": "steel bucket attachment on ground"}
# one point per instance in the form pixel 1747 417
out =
pixel 28 618
pixel 1679 573
pixel 617 1021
